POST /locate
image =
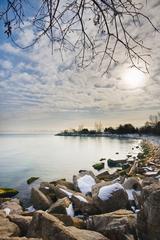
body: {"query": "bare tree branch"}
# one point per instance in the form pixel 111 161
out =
pixel 60 20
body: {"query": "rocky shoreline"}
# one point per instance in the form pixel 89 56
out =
pixel 119 206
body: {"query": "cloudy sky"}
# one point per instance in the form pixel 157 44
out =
pixel 40 92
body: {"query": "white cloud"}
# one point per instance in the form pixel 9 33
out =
pixel 40 84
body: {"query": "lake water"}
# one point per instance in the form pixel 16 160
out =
pixel 51 157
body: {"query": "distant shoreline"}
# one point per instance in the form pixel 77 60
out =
pixel 70 134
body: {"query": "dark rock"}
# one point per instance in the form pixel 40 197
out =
pixel 40 200
pixel 8 192
pixel 98 166
pixel 102 159
pixel 113 163
pixel 32 179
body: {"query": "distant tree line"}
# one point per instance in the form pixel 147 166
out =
pixel 151 127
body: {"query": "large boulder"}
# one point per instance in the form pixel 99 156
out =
pixel 49 227
pixel 22 222
pixel 110 197
pixel 84 181
pixel 115 225
pixel 149 217
pixel 40 200
pixel 7 228
pixel 11 207
pixel 62 206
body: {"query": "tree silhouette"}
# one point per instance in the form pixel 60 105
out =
pixel 69 23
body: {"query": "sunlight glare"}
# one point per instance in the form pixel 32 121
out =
pixel 134 78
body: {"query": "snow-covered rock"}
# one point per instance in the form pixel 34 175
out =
pixel 109 197
pixel 84 181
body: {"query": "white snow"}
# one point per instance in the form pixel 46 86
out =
pixel 151 173
pixel 69 194
pixel 31 209
pixel 82 199
pixel 85 183
pixel 106 192
pixel 70 210
pixel 130 194
pixel 7 211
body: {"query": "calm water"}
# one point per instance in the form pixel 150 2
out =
pixel 50 157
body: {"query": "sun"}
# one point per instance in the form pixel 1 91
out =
pixel 134 78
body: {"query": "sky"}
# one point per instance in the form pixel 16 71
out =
pixel 40 92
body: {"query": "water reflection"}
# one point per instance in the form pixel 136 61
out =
pixel 50 157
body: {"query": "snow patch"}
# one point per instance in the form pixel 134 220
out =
pixel 82 199
pixel 70 210
pixel 7 211
pixel 106 192
pixel 31 209
pixel 85 183
pixel 130 194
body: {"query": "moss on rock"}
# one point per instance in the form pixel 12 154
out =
pixel 7 192
pixel 32 179
pixel 98 166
